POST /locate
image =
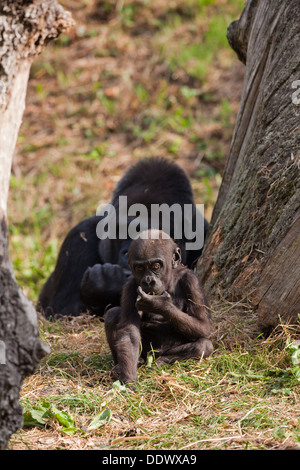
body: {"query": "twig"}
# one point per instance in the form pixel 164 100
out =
pixel 242 419
pixel 128 439
pixel 215 439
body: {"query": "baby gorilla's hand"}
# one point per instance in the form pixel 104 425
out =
pixel 152 303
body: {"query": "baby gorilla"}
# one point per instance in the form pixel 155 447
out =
pixel 163 308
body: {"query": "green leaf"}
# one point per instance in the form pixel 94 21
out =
pixel 37 414
pixel 150 360
pixel 118 386
pixel 295 350
pixel 35 417
pixel 188 92
pixel 69 430
pixel 100 419
pixel 63 417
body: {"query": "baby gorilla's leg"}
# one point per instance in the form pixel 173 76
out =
pixel 201 348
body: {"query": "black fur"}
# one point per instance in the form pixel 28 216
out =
pixel 90 273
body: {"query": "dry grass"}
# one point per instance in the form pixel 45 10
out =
pixel 242 397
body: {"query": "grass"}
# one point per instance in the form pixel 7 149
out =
pixel 242 397
pixel 149 78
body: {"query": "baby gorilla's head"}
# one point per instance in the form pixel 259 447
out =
pixel 152 257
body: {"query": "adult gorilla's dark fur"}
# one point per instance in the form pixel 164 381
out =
pixel 163 309
pixel 90 273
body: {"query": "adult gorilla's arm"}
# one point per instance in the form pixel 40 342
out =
pixel 102 285
pixel 60 294
pixel 79 259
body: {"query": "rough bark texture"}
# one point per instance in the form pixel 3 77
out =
pixel 253 248
pixel 25 27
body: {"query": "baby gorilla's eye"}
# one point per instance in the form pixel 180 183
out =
pixel 156 267
pixel 139 269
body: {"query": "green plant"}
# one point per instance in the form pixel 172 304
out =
pixel 293 349
pixel 44 413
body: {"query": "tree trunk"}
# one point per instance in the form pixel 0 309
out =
pixel 25 27
pixel 253 246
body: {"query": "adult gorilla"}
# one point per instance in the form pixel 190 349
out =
pixel 90 272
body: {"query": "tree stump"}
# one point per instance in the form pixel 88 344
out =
pixel 253 246
pixel 25 28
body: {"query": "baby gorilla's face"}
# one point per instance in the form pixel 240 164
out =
pixel 151 261
pixel 150 275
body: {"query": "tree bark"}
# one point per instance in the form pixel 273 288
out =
pixel 25 27
pixel 253 246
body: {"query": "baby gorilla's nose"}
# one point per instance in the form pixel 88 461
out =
pixel 148 284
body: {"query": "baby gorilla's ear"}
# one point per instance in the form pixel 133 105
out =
pixel 176 259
